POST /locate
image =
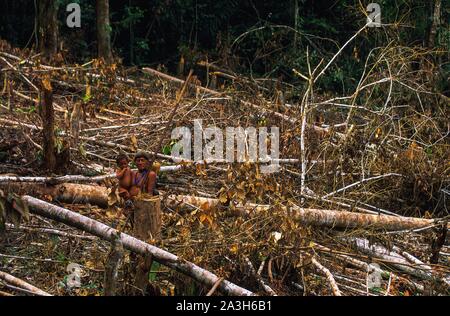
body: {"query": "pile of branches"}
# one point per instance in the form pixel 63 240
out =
pixel 359 206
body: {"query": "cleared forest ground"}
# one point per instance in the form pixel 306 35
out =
pixel 381 151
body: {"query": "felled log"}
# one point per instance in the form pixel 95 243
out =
pixel 65 192
pixel 378 251
pixel 79 193
pixel 74 178
pixel 8 278
pixel 366 267
pixel 103 231
pixel 315 217
pixel 186 201
pixel 345 219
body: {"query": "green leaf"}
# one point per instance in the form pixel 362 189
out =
pixel 86 98
pixel 153 271
pixel 166 150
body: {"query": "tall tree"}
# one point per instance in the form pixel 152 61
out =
pixel 47 27
pixel 103 31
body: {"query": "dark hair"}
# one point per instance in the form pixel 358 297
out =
pixel 121 157
pixel 142 154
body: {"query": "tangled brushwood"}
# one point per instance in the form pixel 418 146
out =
pixel 360 205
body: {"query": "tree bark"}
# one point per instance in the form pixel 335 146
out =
pixel 75 178
pixel 22 284
pixel 98 195
pixel 329 276
pixel 436 21
pixel 147 227
pixel 103 31
pixel 147 218
pixel 65 192
pixel 96 228
pixel 395 259
pixel 48 27
pixel 112 266
pixel 315 217
pixel 48 121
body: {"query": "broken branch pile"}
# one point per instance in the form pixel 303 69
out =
pixel 359 205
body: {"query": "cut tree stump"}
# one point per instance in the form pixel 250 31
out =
pixel 147 227
pixel 147 218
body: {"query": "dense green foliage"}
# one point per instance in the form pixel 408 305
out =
pixel 252 37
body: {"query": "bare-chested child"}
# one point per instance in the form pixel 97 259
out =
pixel 124 175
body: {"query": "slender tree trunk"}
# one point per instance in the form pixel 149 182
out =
pixel 47 27
pixel 435 23
pixel 103 31
pixel 295 21
pixel 48 121
pixel 113 263
pixel 131 25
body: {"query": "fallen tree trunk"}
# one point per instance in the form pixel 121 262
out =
pixel 65 192
pixel 130 243
pixel 395 259
pixel 75 178
pixel 366 267
pixel 345 219
pixel 79 193
pixel 315 217
pixel 8 278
